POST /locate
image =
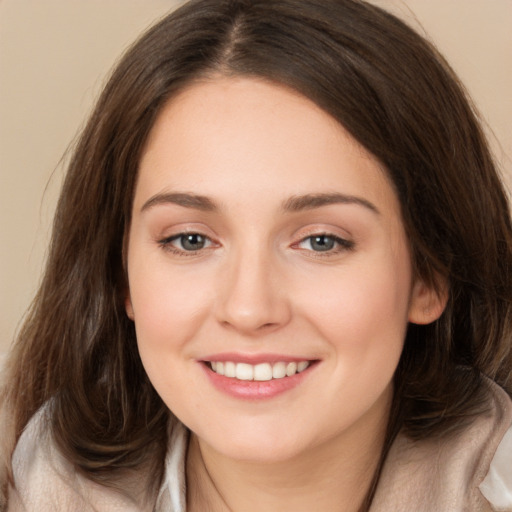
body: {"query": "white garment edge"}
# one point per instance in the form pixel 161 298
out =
pixel 175 471
pixel 497 485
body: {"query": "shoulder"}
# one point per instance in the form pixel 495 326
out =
pixel 468 471
pixel 496 487
pixel 42 479
pixel 45 481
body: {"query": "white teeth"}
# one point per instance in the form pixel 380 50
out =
pixel 229 369
pixel 279 370
pixel 302 366
pixel 263 371
pixel 291 369
pixel 258 372
pixel 244 371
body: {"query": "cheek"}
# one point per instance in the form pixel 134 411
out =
pixel 364 321
pixel 363 311
pixel 169 309
pixel 168 304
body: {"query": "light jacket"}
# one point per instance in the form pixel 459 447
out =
pixel 470 471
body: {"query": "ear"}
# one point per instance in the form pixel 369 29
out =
pixel 427 302
pixel 128 305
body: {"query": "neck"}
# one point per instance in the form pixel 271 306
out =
pixel 333 476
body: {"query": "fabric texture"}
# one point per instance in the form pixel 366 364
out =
pixel 470 471
pixel 446 474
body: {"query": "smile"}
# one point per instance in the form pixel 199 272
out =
pixel 258 372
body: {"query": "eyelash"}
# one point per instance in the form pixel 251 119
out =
pixel 167 244
pixel 340 244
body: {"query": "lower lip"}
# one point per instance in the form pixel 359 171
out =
pixel 254 389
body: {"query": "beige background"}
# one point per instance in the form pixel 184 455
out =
pixel 55 54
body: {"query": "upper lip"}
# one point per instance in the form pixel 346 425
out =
pixel 254 359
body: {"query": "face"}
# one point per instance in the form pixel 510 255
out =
pixel 269 274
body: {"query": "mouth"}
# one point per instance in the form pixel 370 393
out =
pixel 260 372
pixel 257 376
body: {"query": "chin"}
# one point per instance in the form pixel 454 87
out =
pixel 262 444
pixel 261 453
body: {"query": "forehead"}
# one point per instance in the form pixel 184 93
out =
pixel 232 137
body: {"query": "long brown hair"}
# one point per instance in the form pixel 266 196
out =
pixel 395 94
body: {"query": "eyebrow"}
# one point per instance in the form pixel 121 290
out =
pixel 293 204
pixel 186 200
pixel 312 201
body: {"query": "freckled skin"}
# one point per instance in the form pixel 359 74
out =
pixel 259 285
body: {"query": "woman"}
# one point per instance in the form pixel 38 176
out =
pixel 280 278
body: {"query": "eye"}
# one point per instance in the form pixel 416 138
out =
pixel 325 243
pixel 186 242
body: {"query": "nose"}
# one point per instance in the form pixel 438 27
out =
pixel 252 295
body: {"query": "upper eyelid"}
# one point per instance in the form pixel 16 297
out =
pixel 319 231
pixel 340 239
pixel 167 245
pixel 174 236
pixel 299 236
pixel 191 230
pixel 171 238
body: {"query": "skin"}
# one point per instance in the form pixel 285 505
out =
pixel 259 285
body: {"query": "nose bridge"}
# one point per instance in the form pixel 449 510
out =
pixel 252 297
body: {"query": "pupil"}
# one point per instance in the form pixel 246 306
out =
pixel 322 243
pixel 192 242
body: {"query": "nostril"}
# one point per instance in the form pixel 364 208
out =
pixel 267 325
